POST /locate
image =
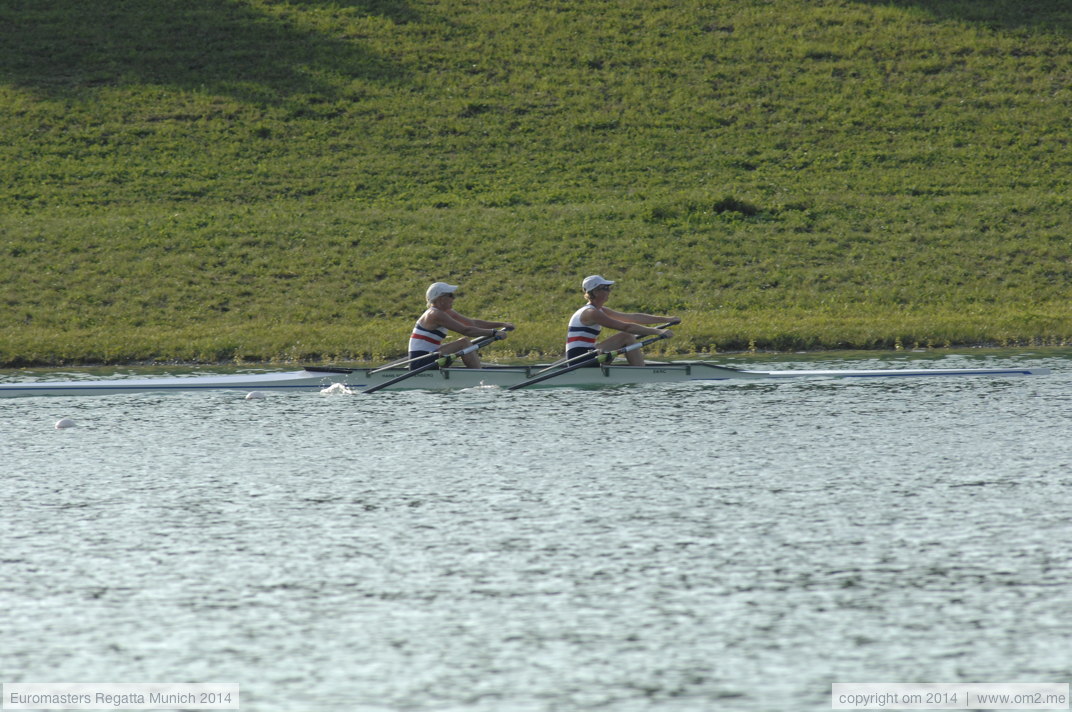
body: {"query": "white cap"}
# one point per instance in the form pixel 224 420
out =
pixel 594 281
pixel 439 289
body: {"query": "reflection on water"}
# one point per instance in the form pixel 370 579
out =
pixel 725 546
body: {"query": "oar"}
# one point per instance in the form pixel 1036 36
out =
pixel 563 361
pixel 404 361
pixel 395 364
pixel 441 362
pixel 584 359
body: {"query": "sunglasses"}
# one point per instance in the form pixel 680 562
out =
pixel 448 294
pixel 602 287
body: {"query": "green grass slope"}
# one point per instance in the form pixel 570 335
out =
pixel 236 180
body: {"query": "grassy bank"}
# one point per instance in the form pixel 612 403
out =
pixel 255 180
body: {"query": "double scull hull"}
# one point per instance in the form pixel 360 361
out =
pixel 316 379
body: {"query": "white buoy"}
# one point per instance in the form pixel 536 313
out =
pixel 64 423
pixel 255 395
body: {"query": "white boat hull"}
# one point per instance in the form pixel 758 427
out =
pixel 317 379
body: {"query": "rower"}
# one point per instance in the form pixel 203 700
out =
pixel 587 322
pixel 426 341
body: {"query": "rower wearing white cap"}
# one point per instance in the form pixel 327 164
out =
pixel 431 329
pixel 587 322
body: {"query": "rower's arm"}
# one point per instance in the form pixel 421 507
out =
pixel 616 320
pixel 640 318
pixel 463 325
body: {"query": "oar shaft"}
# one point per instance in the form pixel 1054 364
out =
pixel 410 374
pixel 395 364
pixel 441 362
pixel 605 357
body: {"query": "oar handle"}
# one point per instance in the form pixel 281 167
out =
pixel 499 334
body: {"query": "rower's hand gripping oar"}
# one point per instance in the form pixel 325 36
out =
pixel 442 361
pixel 585 359
pixel 568 361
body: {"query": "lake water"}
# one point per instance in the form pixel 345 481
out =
pixel 732 546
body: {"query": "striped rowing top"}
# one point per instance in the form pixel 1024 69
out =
pixel 579 335
pixel 426 340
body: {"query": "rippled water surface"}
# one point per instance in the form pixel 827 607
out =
pixel 690 547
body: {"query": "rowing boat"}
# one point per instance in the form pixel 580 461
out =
pixel 319 378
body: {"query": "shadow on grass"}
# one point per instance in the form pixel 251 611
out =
pixel 66 47
pixel 1037 15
